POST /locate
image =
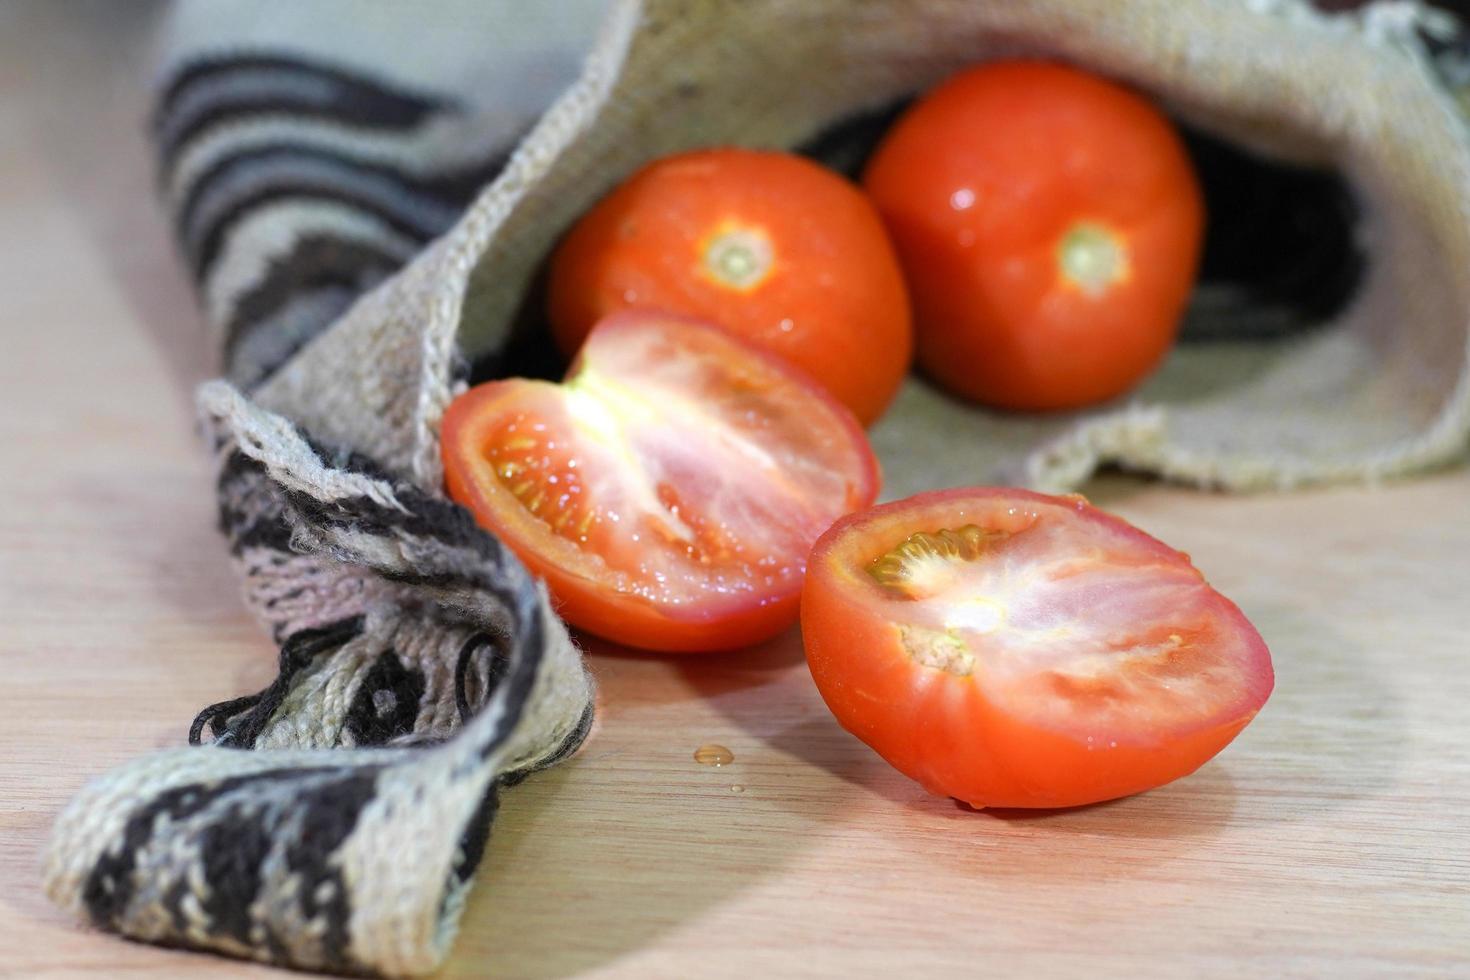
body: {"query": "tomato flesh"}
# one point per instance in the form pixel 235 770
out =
pixel 670 489
pixel 1019 650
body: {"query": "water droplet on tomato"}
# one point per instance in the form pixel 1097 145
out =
pixel 713 755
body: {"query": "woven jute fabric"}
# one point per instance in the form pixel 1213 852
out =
pixel 1382 390
pixel 421 667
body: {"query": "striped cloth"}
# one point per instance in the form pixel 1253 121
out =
pixel 307 151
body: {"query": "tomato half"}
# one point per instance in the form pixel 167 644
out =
pixel 1017 650
pixel 670 489
pixel 1050 225
pixel 782 251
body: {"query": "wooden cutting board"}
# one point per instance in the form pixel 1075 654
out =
pixel 1331 839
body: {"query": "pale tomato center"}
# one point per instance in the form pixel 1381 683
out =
pixel 738 257
pixel 1093 257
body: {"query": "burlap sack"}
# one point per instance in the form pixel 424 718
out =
pixel 357 860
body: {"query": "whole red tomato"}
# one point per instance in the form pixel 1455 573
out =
pixel 787 254
pixel 1049 223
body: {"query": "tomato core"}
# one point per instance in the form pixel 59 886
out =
pixel 1092 258
pixel 740 258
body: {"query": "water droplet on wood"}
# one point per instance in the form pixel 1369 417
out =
pixel 713 755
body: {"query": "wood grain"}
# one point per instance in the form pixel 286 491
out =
pixel 1330 839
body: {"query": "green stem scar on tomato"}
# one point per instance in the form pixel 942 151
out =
pixel 1012 649
pixel 670 489
pixel 1092 258
pixel 740 258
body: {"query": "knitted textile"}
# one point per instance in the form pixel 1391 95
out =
pixel 421 668
pixel 366 204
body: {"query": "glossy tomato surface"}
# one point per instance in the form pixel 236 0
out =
pixel 670 489
pixel 1013 649
pixel 784 252
pixel 1050 225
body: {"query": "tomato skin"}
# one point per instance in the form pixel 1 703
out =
pixel 832 302
pixel 475 424
pixel 956 735
pixel 982 181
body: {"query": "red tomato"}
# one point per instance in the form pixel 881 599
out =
pixel 669 489
pixel 1050 225
pixel 783 252
pixel 1017 650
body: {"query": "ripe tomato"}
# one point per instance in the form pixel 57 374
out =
pixel 1018 650
pixel 1050 225
pixel 669 489
pixel 772 246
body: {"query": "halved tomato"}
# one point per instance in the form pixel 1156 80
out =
pixel 1017 650
pixel 670 489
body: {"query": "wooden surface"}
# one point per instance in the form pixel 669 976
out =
pixel 1333 838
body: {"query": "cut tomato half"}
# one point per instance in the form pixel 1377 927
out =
pixel 1018 650
pixel 670 489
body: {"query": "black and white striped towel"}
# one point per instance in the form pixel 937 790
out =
pixel 306 152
